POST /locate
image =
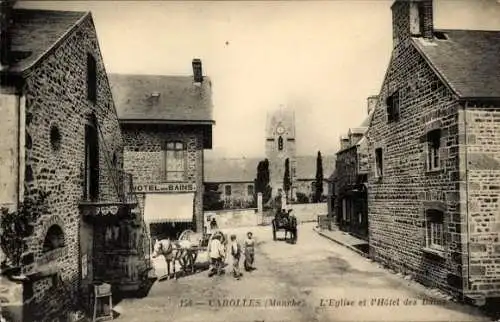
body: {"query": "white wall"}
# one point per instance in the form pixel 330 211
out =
pixel 9 150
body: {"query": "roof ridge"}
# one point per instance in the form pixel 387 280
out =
pixel 473 30
pixel 152 75
pixel 53 11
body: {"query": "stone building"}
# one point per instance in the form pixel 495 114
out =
pixel 351 165
pixel 434 153
pixel 166 123
pixel 61 137
pixel 235 176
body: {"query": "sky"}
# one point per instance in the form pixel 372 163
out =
pixel 321 58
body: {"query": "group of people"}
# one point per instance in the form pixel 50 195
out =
pixel 217 254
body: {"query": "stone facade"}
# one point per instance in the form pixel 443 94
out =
pixel 55 114
pixel 480 129
pixel 239 195
pixel 144 155
pixel 433 198
pixel 350 193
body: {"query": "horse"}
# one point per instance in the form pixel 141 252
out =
pixel 175 251
pixel 284 220
pixel 291 227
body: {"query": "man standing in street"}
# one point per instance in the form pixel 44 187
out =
pixel 216 253
pixel 235 254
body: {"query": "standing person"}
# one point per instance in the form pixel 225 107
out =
pixel 216 253
pixel 236 254
pixel 249 252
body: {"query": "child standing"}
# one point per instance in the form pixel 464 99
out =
pixel 249 252
pixel 236 254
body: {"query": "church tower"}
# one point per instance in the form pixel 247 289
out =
pixel 280 145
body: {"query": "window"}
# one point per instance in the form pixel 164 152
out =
pixel 392 103
pixel 55 138
pixel 91 185
pixel 433 143
pixel 227 190
pixel 175 161
pixel 379 166
pixel 435 235
pixel 54 239
pixel 91 78
pixel 250 190
pixel 280 143
pixel 344 209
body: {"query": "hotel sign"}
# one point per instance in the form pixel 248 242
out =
pixel 165 187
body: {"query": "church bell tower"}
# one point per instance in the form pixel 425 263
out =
pixel 280 145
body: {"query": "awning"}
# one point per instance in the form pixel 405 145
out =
pixel 168 207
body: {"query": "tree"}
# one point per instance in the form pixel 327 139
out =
pixel 262 181
pixel 211 197
pixel 287 181
pixel 318 191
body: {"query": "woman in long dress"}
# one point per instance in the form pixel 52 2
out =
pixel 249 252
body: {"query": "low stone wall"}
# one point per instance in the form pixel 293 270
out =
pixel 235 217
pixel 309 212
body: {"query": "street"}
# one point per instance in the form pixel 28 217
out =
pixel 314 280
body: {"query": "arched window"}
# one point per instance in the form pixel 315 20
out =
pixel 280 143
pixel 54 238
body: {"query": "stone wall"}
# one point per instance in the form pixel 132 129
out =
pixel 234 218
pixel 309 212
pixel 56 96
pixel 482 135
pixel 397 202
pixel 143 155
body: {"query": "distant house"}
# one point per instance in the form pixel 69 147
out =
pixel 434 153
pixel 166 123
pixel 59 135
pixel 351 171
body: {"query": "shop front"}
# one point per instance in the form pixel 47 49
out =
pixel 169 208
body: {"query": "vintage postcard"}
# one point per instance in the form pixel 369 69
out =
pixel 250 160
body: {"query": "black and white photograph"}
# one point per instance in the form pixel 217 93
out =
pixel 249 161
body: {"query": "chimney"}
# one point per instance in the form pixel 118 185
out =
pixel 412 18
pixel 6 10
pixel 344 142
pixel 372 102
pixel 197 71
pixel 426 19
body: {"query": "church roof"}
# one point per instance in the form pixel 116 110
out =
pixel 245 169
pixel 34 33
pixel 162 98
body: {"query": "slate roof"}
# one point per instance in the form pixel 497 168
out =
pixel 35 32
pixel 177 98
pixel 245 169
pixel 469 61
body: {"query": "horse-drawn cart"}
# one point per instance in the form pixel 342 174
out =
pixel 284 221
pixel 190 250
